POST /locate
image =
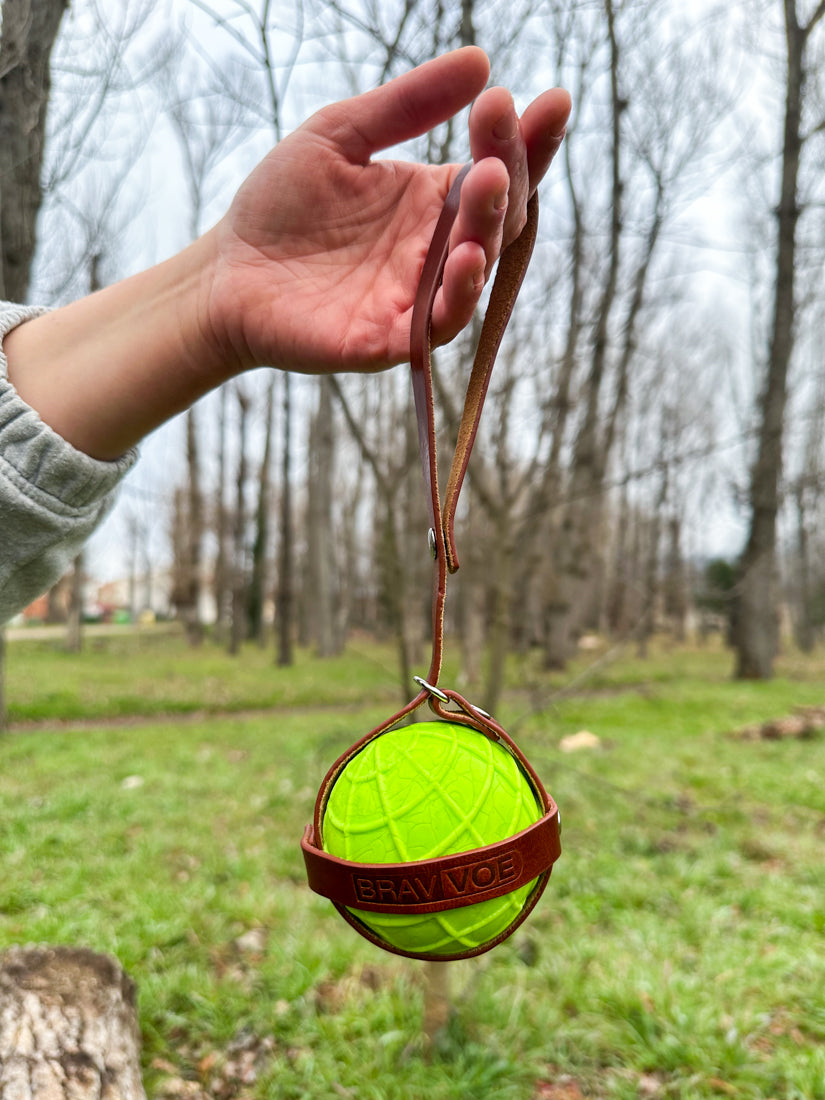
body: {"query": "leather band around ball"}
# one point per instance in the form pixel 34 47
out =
pixel 447 882
pixel 433 885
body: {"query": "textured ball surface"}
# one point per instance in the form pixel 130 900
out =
pixel 423 791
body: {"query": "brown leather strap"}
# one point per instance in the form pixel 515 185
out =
pixel 420 351
pixel 433 885
pixel 512 267
pixel 510 273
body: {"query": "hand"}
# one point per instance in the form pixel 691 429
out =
pixel 318 259
pixel 314 267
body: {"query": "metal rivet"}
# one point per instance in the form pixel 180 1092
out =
pixel 432 543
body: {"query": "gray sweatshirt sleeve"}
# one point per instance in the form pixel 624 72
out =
pixel 52 496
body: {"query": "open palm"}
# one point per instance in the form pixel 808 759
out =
pixel 320 254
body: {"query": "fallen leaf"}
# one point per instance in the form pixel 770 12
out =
pixel 723 1086
pixel 575 742
pixel 564 1088
pixel 252 941
pixel 649 1085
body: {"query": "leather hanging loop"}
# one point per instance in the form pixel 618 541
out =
pixel 421 352
pixel 423 887
pixel 512 267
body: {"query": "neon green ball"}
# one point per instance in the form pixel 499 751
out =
pixel 423 791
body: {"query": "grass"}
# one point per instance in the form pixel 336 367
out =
pixel 679 950
pixel 148 673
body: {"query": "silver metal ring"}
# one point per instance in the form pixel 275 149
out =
pixel 432 689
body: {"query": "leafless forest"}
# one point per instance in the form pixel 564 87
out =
pixel 651 454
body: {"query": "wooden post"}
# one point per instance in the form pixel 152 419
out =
pixel 436 1002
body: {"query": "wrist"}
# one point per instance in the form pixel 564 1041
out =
pixel 234 330
pixel 108 369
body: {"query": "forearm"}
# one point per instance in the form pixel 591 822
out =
pixel 51 496
pixel 108 369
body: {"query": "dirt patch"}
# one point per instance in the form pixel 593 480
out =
pixel 804 723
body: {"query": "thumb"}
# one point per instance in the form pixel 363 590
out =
pixel 405 107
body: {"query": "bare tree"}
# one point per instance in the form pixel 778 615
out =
pixel 207 124
pixel 285 595
pixel 187 534
pixel 222 583
pixel 805 498
pixel 74 616
pixel 659 102
pixel 647 619
pixel 189 595
pixel 757 628
pixel 28 35
pixel 257 579
pixel 238 631
pixel 258 46
pixel 320 525
pixel 390 451
pixel 26 41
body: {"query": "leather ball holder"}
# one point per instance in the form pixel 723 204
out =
pixel 449 882
pixel 453 881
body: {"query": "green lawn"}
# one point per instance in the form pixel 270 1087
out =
pixel 679 950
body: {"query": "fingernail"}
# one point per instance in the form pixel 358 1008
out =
pixel 478 280
pixel 506 127
pixel 500 202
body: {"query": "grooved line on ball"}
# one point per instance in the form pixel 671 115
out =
pixel 464 825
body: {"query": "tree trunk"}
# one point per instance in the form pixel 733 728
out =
pixel 3 711
pixel 285 600
pixel 68 1027
pixel 804 621
pixel 321 540
pixel 221 580
pixel 28 34
pixel 193 537
pixel 647 621
pixel 498 638
pixel 393 587
pixel 74 618
pixel 257 583
pixel 237 632
pixel 616 610
pixel 675 584
pixel 757 631
pixel 575 547
pixel 471 588
pixel 389 478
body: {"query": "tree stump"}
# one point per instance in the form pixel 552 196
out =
pixel 68 1027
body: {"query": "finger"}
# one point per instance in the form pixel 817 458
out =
pixel 482 209
pixel 461 288
pixel 406 107
pixel 543 126
pixel 495 132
